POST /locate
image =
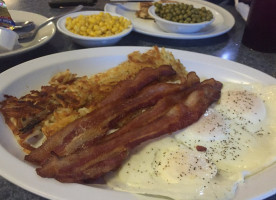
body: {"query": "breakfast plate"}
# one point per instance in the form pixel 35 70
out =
pixel 42 37
pixel 223 22
pixel 31 75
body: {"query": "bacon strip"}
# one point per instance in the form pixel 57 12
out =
pixel 127 88
pixel 160 108
pixel 191 80
pixel 121 91
pixel 109 114
pixel 97 123
pixel 86 164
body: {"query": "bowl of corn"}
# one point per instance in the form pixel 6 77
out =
pixel 94 28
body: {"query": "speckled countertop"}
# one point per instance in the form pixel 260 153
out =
pixel 227 46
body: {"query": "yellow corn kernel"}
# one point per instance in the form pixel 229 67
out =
pixel 76 28
pixel 114 29
pixel 96 27
pixel 98 33
pixel 83 28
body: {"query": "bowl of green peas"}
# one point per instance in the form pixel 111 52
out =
pixel 181 17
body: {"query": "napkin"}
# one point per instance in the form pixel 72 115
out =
pixel 8 40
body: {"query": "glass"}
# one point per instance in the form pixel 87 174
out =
pixel 260 29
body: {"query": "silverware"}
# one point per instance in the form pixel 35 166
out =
pixel 122 1
pixel 22 25
pixel 27 36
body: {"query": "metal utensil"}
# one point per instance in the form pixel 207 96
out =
pixel 27 36
pixel 22 25
pixel 121 1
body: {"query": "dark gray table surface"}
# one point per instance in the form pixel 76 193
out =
pixel 227 44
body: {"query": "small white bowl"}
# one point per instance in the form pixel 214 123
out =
pixel 176 27
pixel 87 41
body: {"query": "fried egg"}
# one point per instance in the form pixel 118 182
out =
pixel 240 136
pixel 236 137
pixel 166 167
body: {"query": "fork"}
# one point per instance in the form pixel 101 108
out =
pixel 27 36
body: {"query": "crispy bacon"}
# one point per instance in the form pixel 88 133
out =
pixel 127 88
pixel 97 123
pixel 84 125
pixel 107 116
pixel 160 108
pixel 191 80
pixel 88 163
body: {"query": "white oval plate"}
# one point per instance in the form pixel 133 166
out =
pixel 43 35
pixel 223 22
pixel 32 74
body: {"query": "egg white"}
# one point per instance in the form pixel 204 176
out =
pixel 165 167
pixel 239 135
pixel 246 114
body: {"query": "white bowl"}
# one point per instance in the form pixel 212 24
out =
pixel 176 27
pixel 87 41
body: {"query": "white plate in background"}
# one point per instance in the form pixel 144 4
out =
pixel 223 22
pixel 42 36
pixel 22 78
